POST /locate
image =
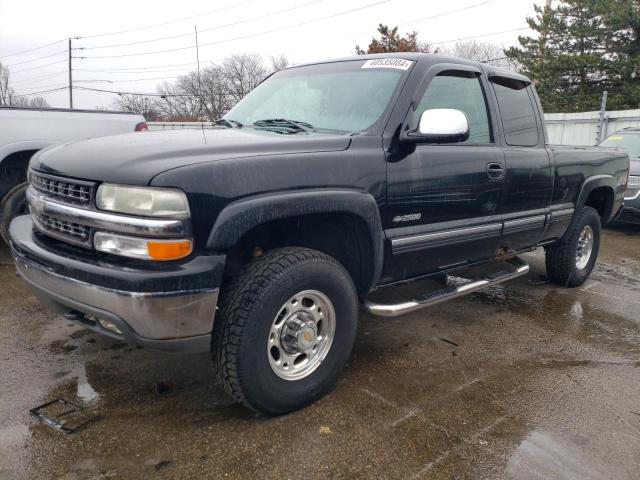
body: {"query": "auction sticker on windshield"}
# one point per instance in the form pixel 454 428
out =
pixel 398 63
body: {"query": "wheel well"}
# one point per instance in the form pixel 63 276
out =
pixel 13 168
pixel 601 199
pixel 343 236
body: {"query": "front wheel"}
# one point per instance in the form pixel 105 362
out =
pixel 570 261
pixel 285 329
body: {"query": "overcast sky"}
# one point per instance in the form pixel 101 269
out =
pixel 299 29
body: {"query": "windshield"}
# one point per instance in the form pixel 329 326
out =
pixel 343 96
pixel 629 141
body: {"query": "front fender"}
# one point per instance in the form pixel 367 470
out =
pixel 241 216
pixel 15 147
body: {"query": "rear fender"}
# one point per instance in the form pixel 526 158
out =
pixel 589 185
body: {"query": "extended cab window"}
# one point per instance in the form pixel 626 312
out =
pixel 516 109
pixel 461 91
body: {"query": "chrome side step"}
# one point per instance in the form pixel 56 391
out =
pixel 514 268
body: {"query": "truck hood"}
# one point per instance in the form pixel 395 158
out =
pixel 135 158
pixel 634 166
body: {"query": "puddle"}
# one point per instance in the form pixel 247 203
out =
pixel 543 456
pixel 85 391
pixel 540 386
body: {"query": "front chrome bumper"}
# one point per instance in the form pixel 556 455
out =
pixel 167 319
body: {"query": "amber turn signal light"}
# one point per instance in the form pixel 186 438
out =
pixel 168 250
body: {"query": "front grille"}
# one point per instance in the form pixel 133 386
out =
pixel 64 228
pixel 634 182
pixel 62 189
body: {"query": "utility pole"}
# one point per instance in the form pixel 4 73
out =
pixel 195 28
pixel 542 41
pixel 70 79
pixel 203 104
pixel 601 118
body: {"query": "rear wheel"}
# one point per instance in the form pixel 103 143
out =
pixel 285 330
pixel 13 205
pixel 570 261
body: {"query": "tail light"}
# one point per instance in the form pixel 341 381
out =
pixel 142 127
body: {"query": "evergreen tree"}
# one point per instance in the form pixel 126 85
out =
pixel 584 47
pixel 391 41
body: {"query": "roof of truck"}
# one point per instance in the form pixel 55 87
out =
pixel 434 58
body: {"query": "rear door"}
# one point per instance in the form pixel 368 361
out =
pixel 528 175
pixel 443 200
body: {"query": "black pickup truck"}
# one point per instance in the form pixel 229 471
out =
pixel 259 240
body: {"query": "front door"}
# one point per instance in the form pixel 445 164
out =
pixel 443 199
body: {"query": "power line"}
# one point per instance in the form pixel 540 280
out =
pixel 133 70
pixel 39 76
pixel 41 92
pixel 138 93
pixel 39 58
pixel 161 68
pixel 142 69
pixel 445 41
pixel 229 7
pixel 38 66
pixel 479 36
pixel 123 81
pixel 217 27
pixel 218 42
pixel 33 49
pixel 443 14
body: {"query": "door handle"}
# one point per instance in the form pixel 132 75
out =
pixel 495 171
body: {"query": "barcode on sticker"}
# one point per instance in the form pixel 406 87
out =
pixel 398 63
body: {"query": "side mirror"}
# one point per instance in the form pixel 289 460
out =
pixel 441 125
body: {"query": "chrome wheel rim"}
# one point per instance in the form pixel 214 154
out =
pixel 585 247
pixel 301 335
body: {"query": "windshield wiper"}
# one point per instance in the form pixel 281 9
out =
pixel 227 123
pixel 284 123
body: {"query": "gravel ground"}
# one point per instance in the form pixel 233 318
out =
pixel 523 380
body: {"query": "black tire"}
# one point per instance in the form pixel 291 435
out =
pixel 13 205
pixel 248 307
pixel 561 259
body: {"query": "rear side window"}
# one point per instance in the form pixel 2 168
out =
pixel 461 91
pixel 517 112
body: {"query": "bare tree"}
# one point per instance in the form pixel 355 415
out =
pixel 212 93
pixel 39 102
pixel 278 62
pixel 8 96
pixel 483 52
pixel 26 102
pixel 6 92
pixel 177 104
pixel 243 73
pixel 145 106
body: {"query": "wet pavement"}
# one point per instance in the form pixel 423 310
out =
pixel 524 380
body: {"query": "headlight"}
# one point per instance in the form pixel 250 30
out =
pixel 633 188
pixel 145 201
